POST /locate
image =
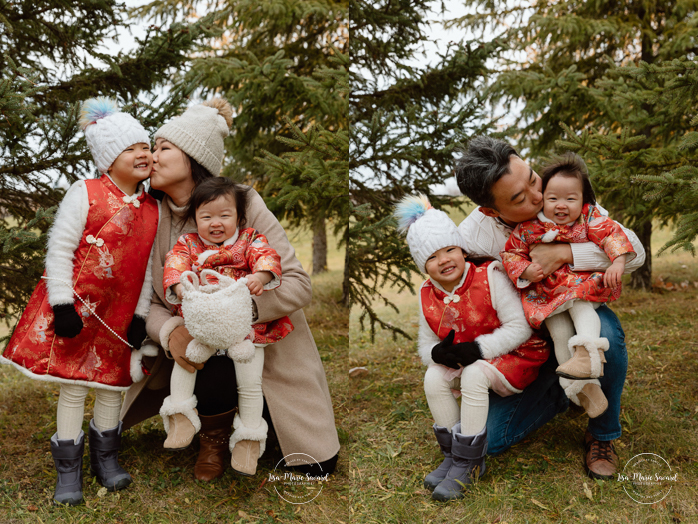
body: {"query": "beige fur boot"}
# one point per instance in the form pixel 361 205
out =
pixel 587 394
pixel 247 446
pixel 181 422
pixel 587 361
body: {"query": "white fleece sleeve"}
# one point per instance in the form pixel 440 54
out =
pixel 587 256
pixel 143 305
pixel 514 330
pixel 426 339
pixel 63 239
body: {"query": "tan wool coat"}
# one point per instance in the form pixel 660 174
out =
pixel 293 380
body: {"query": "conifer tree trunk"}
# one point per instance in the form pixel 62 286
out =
pixel 642 277
pixel 319 244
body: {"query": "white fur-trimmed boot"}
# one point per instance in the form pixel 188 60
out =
pixel 587 394
pixel 181 421
pixel 247 446
pixel 587 361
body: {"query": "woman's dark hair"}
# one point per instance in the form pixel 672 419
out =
pixel 212 188
pixel 570 165
pixel 198 172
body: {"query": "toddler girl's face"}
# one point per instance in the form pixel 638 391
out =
pixel 562 200
pixel 217 220
pixel 132 165
pixel 446 267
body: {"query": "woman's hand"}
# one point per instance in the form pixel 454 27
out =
pixel 179 339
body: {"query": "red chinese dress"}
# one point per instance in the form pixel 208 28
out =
pixel 541 299
pixel 473 315
pixel 246 253
pixel 109 268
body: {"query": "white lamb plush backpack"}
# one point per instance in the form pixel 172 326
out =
pixel 218 316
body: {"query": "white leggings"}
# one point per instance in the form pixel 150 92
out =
pixel 582 318
pixel 475 399
pixel 71 410
pixel 249 380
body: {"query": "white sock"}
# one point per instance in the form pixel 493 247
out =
pixel 107 409
pixel 71 411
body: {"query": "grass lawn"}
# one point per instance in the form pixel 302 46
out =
pixel 164 489
pixel 542 479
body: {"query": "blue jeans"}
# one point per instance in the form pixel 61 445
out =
pixel 511 419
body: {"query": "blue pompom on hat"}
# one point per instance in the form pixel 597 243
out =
pixel 428 229
pixel 109 131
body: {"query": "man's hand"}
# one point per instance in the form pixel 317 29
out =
pixel 551 257
pixel 613 274
pixel 179 339
pixel 533 273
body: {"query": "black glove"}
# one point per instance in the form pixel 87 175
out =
pixel 136 332
pixel 451 355
pixel 439 350
pixel 67 322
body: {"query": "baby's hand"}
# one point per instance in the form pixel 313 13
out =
pixel 533 273
pixel 254 284
pixel 177 289
pixel 257 281
pixel 614 273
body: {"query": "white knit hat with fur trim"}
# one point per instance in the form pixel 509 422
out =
pixel 200 132
pixel 428 229
pixel 109 131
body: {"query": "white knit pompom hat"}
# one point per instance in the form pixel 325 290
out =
pixel 109 131
pixel 200 132
pixel 428 229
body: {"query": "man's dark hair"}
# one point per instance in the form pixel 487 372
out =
pixel 570 165
pixel 212 188
pixel 483 163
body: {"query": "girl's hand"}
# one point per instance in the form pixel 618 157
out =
pixel 533 273
pixel 177 289
pixel 614 273
pixel 67 322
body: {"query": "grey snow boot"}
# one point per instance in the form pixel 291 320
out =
pixel 444 438
pixel 67 456
pixel 104 457
pixel 468 453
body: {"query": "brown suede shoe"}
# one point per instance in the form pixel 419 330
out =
pixel 213 441
pixel 600 459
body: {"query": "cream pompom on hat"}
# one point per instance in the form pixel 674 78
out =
pixel 428 229
pixel 200 132
pixel 108 131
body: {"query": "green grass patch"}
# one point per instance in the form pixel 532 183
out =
pixel 164 489
pixel 542 479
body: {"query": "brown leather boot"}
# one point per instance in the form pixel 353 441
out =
pixel 213 441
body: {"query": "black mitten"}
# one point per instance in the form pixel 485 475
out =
pixel 438 352
pixel 136 332
pixel 67 322
pixel 464 354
